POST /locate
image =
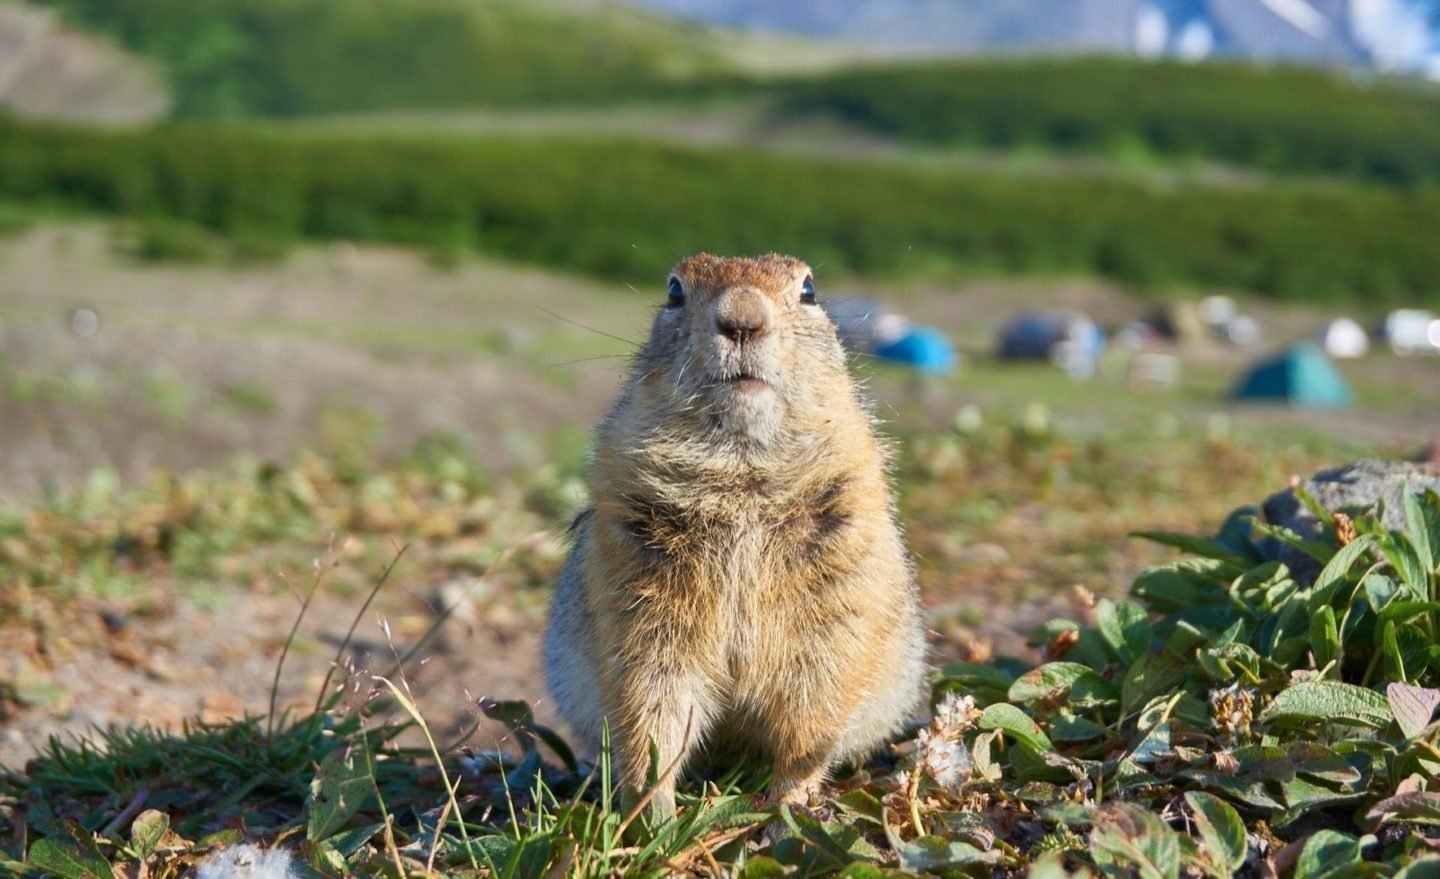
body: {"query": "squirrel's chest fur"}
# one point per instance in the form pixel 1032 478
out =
pixel 741 577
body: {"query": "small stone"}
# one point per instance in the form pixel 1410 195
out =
pixel 1352 489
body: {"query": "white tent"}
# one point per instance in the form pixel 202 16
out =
pixel 1343 338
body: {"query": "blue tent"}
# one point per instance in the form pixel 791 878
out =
pixel 1300 375
pixel 866 325
pixel 925 348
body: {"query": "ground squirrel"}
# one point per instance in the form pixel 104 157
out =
pixel 740 577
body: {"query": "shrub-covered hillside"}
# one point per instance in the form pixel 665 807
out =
pixel 627 209
pixel 1283 120
pixel 288 57
pixel 239 58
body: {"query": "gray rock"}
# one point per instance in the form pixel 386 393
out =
pixel 1351 489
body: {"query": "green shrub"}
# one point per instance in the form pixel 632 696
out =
pixel 14 220
pixel 626 210
pixel 1281 120
pixel 167 241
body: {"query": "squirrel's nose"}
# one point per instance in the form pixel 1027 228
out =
pixel 741 316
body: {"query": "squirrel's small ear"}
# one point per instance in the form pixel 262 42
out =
pixel 677 292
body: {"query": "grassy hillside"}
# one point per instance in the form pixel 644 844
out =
pixel 246 58
pixel 1283 120
pixel 231 58
pixel 627 209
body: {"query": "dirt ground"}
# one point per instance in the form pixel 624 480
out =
pixel 191 366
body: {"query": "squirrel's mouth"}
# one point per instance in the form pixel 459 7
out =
pixel 746 382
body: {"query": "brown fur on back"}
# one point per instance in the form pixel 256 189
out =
pixel 741 576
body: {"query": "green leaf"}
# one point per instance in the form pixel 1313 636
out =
pixel 1404 611
pixel 1182 585
pixel 1251 793
pixel 1015 723
pixel 1327 702
pixel 1427 867
pixel 986 683
pixel 1131 840
pixel 1225 662
pixel 1261 586
pixel 340 787
pixel 530 857
pixel 1314 506
pixel 1125 626
pixel 347 842
pixel 73 855
pixel 1325 638
pixel 1237 532
pixel 1421 807
pixel 1152 675
pixel 146 832
pixel 323 858
pixel 1419 530
pixel 761 867
pixel 932 853
pixel 1319 550
pixel 1400 552
pixel 493 848
pixel 1412 706
pixel 861 804
pixel 1337 570
pixel 1050 865
pixel 1221 830
pixel 1074 729
pixel 1053 679
pixel 808 828
pixel 1265 762
pixel 1407 651
pixel 1390 644
pixel 1302 795
pixel 1200 546
pixel 1324 851
pixel 1322 763
pixel 1430 512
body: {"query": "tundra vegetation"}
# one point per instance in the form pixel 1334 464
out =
pixel 1228 715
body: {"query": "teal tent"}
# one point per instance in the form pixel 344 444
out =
pixel 1300 375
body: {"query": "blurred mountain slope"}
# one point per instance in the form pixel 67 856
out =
pixel 52 71
pixel 236 58
pixel 1398 35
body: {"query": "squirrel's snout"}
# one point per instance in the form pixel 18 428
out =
pixel 742 316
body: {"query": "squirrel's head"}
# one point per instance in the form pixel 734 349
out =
pixel 742 345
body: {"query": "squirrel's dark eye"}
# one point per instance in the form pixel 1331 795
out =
pixel 807 291
pixel 677 294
